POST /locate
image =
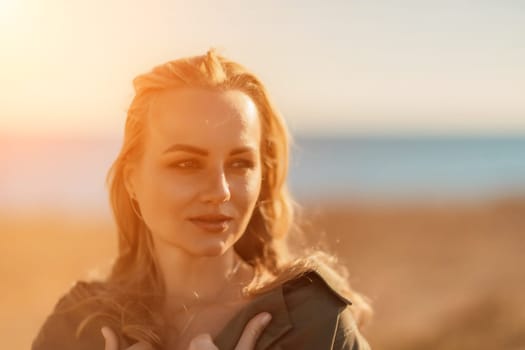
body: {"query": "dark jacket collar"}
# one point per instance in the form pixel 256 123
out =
pixel 272 302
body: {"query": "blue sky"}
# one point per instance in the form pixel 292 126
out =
pixel 331 67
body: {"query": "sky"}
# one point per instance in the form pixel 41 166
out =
pixel 448 66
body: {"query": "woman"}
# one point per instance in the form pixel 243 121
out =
pixel 199 195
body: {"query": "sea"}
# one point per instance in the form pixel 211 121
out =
pixel 70 173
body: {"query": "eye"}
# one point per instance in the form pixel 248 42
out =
pixel 242 163
pixel 185 164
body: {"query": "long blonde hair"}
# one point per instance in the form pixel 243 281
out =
pixel 135 285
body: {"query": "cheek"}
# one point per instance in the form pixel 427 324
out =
pixel 247 189
pixel 178 191
pixel 167 192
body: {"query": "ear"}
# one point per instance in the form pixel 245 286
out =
pixel 129 179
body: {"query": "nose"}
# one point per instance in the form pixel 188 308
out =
pixel 218 188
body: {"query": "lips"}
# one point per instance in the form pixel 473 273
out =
pixel 211 217
pixel 212 222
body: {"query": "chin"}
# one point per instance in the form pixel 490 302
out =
pixel 212 245
pixel 210 249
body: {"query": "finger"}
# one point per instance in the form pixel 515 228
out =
pixel 252 331
pixel 202 342
pixel 111 340
pixel 141 346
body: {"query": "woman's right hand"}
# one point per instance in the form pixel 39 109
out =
pixel 251 333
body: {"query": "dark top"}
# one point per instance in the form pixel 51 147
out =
pixel 306 314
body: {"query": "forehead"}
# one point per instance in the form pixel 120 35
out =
pixel 208 118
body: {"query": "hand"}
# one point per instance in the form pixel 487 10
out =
pixel 253 330
pixel 250 334
pixel 111 341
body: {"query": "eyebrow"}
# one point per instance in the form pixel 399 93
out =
pixel 203 152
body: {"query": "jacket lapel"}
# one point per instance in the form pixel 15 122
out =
pixel 272 302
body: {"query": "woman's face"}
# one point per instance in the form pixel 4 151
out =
pixel 199 178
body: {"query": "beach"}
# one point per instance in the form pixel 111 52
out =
pixel 438 276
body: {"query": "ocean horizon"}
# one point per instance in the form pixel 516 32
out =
pixel 70 173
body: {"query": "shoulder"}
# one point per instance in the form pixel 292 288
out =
pixel 60 327
pixel 318 307
pixel 314 284
pixel 80 292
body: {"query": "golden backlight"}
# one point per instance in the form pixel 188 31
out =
pixel 445 275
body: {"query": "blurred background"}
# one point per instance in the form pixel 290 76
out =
pixel 408 120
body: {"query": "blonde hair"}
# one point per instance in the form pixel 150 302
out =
pixel 135 285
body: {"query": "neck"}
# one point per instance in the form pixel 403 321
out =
pixel 191 279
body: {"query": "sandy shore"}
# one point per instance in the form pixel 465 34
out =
pixel 444 276
pixel 447 276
